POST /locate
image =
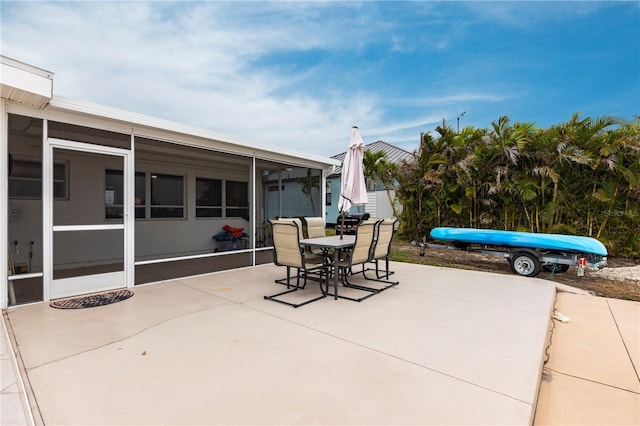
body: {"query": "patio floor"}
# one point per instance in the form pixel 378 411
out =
pixel 446 346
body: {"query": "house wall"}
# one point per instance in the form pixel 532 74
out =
pixel 294 201
pixel 382 207
pixel 377 206
pixel 154 238
pixel 372 202
pixel 331 211
pixel 161 238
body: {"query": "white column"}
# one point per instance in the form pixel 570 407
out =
pixel 47 213
pixel 129 215
pixel 323 195
pixel 4 195
pixel 279 193
pixel 254 206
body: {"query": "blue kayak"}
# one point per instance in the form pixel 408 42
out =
pixel 559 242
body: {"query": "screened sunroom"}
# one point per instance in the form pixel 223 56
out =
pixel 100 199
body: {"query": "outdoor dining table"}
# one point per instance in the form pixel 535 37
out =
pixel 335 242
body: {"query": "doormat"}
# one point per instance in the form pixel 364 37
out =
pixel 92 300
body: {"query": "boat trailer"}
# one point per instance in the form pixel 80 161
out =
pixel 526 261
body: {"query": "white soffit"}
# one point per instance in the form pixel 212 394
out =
pixel 25 84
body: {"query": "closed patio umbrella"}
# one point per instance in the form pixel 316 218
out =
pixel 353 190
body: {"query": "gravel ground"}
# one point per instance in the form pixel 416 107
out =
pixel 625 273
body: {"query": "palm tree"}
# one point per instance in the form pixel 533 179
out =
pixel 379 170
pixel 418 182
pixel 307 184
pixel 616 173
pixel 506 143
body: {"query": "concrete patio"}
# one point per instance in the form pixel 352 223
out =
pixel 446 346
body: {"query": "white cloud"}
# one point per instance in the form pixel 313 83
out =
pixel 400 126
pixel 452 99
pixel 190 63
pixel 291 74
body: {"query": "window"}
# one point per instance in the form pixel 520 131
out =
pixel 167 200
pixel 167 196
pixel 25 179
pixel 237 199
pixel 208 197
pixel 114 194
pixel 327 201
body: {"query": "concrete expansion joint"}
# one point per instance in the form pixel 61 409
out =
pixel 547 369
pixel 626 348
pixel 217 296
pixel 552 327
pixel 53 361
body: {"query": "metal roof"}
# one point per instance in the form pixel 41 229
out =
pixel 394 154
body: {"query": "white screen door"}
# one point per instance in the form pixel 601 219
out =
pixel 89 201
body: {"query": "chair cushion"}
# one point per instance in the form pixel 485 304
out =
pixel 297 222
pixel 315 227
pixel 286 243
pixel 385 234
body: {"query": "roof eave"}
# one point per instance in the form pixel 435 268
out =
pixel 25 84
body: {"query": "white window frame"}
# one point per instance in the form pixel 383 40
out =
pixel 38 180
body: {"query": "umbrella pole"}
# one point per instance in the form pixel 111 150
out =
pixel 342 227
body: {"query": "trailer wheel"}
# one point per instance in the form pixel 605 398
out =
pixel 525 264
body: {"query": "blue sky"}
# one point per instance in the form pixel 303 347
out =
pixel 300 74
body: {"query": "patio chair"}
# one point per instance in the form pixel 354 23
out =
pixel 315 228
pixel 381 251
pixel 301 235
pixel 359 255
pixel 287 252
pixel 295 220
